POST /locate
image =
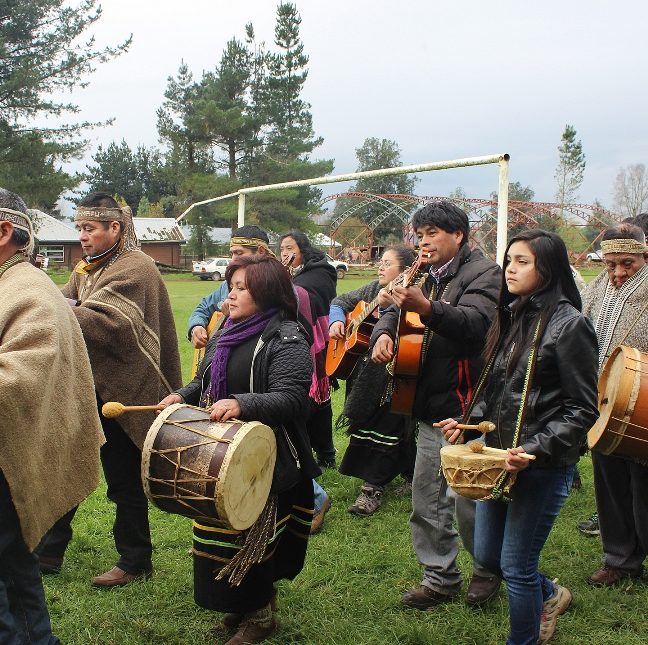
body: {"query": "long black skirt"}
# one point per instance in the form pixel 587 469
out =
pixel 214 547
pixel 381 449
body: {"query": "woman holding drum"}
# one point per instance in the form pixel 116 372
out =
pixel 257 368
pixel 539 387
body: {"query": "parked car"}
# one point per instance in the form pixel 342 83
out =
pixel 341 268
pixel 211 268
pixel 595 256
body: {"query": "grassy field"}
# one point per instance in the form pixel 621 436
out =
pixel 355 572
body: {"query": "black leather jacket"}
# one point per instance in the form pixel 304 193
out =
pixel 562 401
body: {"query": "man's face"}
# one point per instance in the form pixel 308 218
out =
pixel 622 266
pixel 438 246
pixel 238 251
pixel 96 238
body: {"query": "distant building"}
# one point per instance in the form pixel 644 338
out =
pixel 58 241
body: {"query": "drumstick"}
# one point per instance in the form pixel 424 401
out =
pixel 482 426
pixel 114 408
pixel 477 446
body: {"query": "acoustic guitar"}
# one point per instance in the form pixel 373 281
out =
pixel 408 351
pixel 215 323
pixel 342 355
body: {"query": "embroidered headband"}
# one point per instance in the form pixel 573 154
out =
pixel 623 245
pixel 107 214
pixel 251 242
pixel 20 221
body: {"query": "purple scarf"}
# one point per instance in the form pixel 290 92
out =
pixel 234 334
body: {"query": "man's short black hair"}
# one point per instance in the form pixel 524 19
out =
pixel 250 230
pixel 443 215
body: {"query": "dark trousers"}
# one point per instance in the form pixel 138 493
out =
pixel 23 612
pixel 121 461
pixel 320 430
pixel 621 487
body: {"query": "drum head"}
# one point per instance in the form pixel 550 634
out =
pixel 246 475
pixel 611 401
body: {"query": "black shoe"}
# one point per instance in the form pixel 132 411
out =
pixel 49 565
pixel 326 463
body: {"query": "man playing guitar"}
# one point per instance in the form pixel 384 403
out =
pixel 456 305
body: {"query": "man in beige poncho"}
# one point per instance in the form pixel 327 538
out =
pixel 617 303
pixel 121 303
pixel 49 428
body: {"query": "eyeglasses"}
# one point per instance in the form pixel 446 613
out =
pixel 385 265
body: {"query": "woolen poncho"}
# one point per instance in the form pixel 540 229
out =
pixel 50 432
pixel 128 326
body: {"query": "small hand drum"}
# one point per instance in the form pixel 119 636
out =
pixel 218 473
pixel 474 474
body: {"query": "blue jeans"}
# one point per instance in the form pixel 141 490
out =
pixel 23 613
pixel 509 538
pixel 320 496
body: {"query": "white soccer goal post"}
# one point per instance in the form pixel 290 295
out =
pixel 502 160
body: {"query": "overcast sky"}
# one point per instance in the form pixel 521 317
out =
pixel 445 80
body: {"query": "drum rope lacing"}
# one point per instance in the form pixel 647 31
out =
pixel 178 492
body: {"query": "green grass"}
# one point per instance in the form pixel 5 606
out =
pixel 355 572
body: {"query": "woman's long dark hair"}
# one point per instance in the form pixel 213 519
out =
pixel 308 251
pixel 268 282
pixel 556 283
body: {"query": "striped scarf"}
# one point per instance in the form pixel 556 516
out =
pixel 612 306
pixel 9 262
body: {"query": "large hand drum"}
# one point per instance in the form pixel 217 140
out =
pixel 213 472
pixel 622 427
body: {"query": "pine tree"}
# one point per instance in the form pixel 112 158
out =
pixel 570 169
pixel 41 55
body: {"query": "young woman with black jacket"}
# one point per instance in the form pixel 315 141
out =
pixel 540 390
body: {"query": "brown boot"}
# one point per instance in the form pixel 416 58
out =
pixel 482 590
pixel 610 577
pixel 232 620
pixel 117 577
pixel 250 632
pixel 425 598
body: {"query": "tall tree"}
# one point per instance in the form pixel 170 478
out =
pixel 570 169
pixel 40 55
pixel 374 154
pixel 133 175
pixel 631 190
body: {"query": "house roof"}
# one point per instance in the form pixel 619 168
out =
pixel 158 229
pixel 49 229
pixel 148 229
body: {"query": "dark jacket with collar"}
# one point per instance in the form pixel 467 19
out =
pixel 280 379
pixel 562 399
pixel 462 311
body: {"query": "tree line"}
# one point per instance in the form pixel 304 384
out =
pixel 242 123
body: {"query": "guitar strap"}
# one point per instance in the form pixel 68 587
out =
pixel 428 333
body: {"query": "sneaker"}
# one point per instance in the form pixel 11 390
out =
pixel 368 501
pixel 551 609
pixel 590 526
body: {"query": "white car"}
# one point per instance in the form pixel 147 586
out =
pixel 595 256
pixel 341 268
pixel 211 268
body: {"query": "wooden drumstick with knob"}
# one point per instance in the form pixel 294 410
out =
pixel 477 446
pixel 114 408
pixel 482 426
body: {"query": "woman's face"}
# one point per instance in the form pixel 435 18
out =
pixel 388 268
pixel 239 300
pixel 522 278
pixel 289 247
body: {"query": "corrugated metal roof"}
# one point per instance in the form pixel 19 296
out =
pixel 49 229
pixel 158 229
